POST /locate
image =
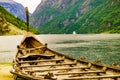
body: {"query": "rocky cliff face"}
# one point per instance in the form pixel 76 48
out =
pixel 13 7
pixel 49 9
pixel 61 4
pixel 82 16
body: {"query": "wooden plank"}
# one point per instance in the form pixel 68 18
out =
pixel 26 77
pixel 30 55
pixel 68 68
pixel 92 77
pixel 71 73
pixel 84 72
pixel 48 65
pixel 47 60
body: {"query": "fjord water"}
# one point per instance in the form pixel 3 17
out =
pixel 105 47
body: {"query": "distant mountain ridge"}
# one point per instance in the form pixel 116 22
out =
pixel 15 8
pixel 82 16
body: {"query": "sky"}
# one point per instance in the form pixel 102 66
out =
pixel 31 4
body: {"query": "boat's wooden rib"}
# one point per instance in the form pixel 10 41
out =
pixel 93 77
pixel 47 60
pixel 54 69
pixel 83 72
pixel 72 73
pixel 48 65
pixel 33 55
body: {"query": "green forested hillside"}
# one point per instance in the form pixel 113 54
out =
pixel 104 18
pixel 82 16
pixel 8 20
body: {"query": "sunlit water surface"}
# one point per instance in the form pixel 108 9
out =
pixel 105 47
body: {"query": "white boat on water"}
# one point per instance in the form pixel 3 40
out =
pixel 74 32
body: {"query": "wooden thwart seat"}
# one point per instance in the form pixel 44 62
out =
pixel 31 55
pixel 47 60
pixel 28 49
pixel 48 65
pixel 93 77
pixel 68 68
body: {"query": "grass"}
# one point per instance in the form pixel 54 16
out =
pixel 5 74
pixel 5 67
pixel 13 30
pixel 5 64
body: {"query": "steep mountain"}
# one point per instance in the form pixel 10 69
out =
pixel 15 8
pixel 10 25
pixel 82 16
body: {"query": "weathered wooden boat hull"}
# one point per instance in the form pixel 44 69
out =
pixel 34 61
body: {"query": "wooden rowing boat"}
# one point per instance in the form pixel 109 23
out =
pixel 35 61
